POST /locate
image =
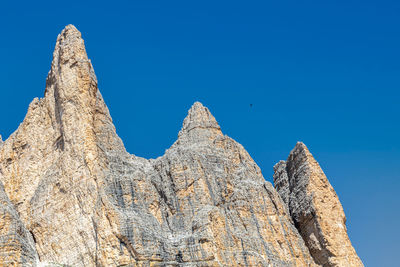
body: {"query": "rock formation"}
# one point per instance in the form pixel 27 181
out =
pixel 16 243
pixel 315 208
pixel 74 196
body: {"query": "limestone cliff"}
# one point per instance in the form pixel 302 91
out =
pixel 16 243
pixel 315 208
pixel 74 196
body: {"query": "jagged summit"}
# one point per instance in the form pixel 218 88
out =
pixel 199 124
pixel 69 46
pixel 300 145
pixel 70 62
pixel 315 208
pixel 199 117
pixel 300 148
pixel 70 29
pixel 73 196
pixel 72 96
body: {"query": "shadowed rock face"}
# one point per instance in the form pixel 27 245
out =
pixel 88 202
pixel 315 208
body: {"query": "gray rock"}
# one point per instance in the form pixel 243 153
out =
pixel 315 208
pixel 17 246
pixel 281 181
pixel 88 202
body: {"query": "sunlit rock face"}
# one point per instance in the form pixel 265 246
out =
pixel 17 245
pixel 315 208
pixel 74 196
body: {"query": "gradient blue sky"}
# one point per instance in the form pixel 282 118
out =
pixel 323 72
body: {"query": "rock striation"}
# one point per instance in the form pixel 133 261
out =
pixel 314 208
pixel 16 243
pixel 73 195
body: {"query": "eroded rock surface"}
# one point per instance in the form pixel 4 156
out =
pixel 315 208
pixel 85 201
pixel 17 246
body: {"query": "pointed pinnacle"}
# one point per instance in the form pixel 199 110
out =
pixel 69 61
pixel 301 148
pixel 198 117
pixel 70 47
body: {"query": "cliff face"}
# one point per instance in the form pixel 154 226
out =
pixel 315 208
pixel 16 243
pixel 74 196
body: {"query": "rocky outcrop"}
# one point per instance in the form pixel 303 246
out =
pixel 51 166
pixel 315 208
pixel 85 201
pixel 17 247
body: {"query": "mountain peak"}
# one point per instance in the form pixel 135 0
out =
pixel 199 117
pixel 70 31
pixel 70 47
pixel 68 179
pixel 70 65
pixel 301 146
pixel 71 92
pixel 315 208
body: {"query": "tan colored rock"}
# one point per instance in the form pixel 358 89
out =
pixel 17 246
pixel 315 209
pixel 49 166
pixel 85 201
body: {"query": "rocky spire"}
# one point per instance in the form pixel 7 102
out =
pixel 57 151
pixel 70 64
pixel 199 124
pixel 77 198
pixel 315 208
pixel 71 88
pixel 199 117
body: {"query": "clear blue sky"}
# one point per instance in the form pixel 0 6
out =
pixel 323 72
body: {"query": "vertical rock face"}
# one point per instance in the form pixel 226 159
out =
pixel 51 165
pixel 79 199
pixel 16 243
pixel 281 181
pixel 315 208
pixel 218 204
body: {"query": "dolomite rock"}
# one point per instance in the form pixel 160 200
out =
pixel 315 208
pixel 85 201
pixel 16 243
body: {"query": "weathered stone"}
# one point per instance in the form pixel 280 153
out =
pixel 17 246
pixel 88 202
pixel 281 181
pixel 51 163
pixel 315 208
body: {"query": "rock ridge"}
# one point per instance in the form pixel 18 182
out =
pixel 314 208
pixel 73 196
